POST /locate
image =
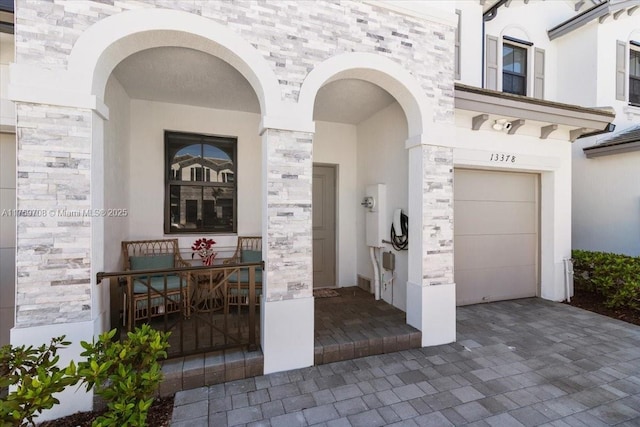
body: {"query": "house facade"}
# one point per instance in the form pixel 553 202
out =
pixel 112 102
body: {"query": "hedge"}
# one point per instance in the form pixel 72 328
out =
pixel 615 277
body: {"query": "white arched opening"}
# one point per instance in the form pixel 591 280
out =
pixel 91 65
pixel 380 156
pixel 375 69
pixel 105 44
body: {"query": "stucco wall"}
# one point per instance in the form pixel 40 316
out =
pixel 606 195
pixel 383 159
pixel 292 39
pixel 578 79
pixel 606 202
pixel 7 110
pixel 117 163
pixel 149 120
pixel 336 144
pixel 530 22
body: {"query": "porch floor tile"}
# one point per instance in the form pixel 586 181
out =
pixel 348 326
pixel 523 362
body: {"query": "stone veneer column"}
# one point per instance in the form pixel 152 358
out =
pixel 53 181
pixel 53 245
pixel 287 304
pixel 431 296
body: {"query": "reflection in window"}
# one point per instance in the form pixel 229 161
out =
pixel 514 69
pixel 201 186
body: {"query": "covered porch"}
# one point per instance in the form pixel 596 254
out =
pixel 349 325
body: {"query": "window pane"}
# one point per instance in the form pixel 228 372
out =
pixel 507 57
pixel 186 205
pixel 208 201
pixel 518 61
pixel 514 59
pixel 634 90
pixel 514 69
pixel 634 63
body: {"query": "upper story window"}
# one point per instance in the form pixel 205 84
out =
pixel 514 69
pixel 634 76
pixel 520 69
pixel 628 75
pixel 201 192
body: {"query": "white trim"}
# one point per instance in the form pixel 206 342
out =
pixel 40 86
pixel 103 45
pixel 631 111
pixel 290 123
pixel 375 69
pixel 287 334
pixel 432 310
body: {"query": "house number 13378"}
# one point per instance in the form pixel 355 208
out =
pixel 503 158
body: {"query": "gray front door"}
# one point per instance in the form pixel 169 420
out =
pixel 324 226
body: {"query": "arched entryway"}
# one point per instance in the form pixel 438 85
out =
pixel 370 117
pixel 165 75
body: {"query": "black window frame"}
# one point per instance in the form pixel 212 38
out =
pixel 634 77
pixel 173 142
pixel 513 74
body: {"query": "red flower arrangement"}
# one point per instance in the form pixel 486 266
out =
pixel 204 248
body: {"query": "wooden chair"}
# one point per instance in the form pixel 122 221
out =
pixel 248 250
pixel 145 295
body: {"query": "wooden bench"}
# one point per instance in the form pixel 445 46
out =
pixel 155 294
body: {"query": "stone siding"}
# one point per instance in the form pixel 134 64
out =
pixel 293 36
pixel 53 181
pixel 437 246
pixel 289 228
pixel 53 261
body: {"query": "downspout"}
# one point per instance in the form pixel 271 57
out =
pixel 376 272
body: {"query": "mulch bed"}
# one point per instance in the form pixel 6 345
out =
pixel 159 416
pixel 595 303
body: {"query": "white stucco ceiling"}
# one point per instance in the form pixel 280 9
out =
pixel 185 76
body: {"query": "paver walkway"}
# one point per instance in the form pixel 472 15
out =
pixel 525 362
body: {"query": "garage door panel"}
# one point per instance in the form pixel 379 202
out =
pixel 493 251
pixel 490 185
pixel 490 217
pixel 496 238
pixel 495 284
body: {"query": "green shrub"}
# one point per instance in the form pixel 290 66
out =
pixel 34 377
pixel 125 374
pixel 615 277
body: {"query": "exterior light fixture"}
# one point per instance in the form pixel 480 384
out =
pixel 502 124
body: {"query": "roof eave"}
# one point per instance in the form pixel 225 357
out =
pixel 600 11
pixel 599 151
pixel 506 105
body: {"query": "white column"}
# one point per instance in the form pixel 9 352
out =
pixel 431 296
pixel 287 304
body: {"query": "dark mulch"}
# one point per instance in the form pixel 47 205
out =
pixel 159 416
pixel 594 302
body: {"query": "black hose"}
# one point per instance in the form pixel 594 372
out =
pixel 400 243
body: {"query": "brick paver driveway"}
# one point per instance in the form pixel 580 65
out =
pixel 524 362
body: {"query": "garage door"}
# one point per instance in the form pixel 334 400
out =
pixel 495 235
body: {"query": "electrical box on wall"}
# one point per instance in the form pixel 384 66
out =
pixel 376 215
